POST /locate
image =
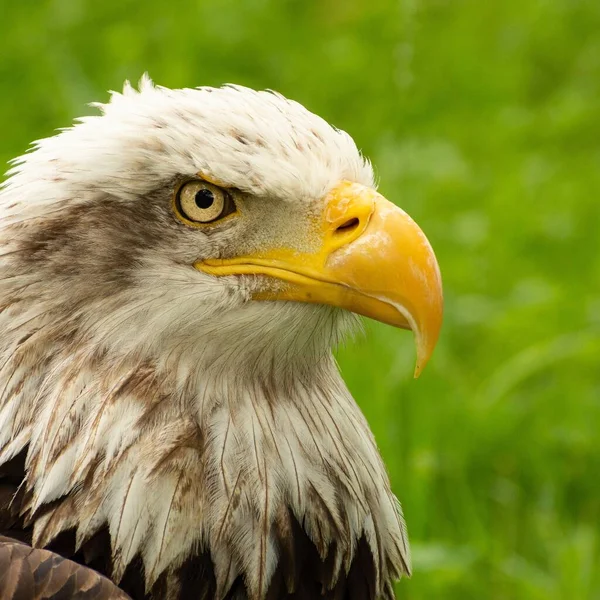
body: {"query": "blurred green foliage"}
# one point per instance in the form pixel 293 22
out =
pixel 483 121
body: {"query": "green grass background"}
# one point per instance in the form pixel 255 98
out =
pixel 482 118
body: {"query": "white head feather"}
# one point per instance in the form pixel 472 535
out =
pixel 157 400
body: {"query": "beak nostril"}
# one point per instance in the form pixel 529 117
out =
pixel 348 225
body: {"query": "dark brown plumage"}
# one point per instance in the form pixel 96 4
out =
pixel 28 573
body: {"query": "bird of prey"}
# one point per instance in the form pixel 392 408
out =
pixel 174 273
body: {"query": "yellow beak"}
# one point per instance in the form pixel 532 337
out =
pixel 372 259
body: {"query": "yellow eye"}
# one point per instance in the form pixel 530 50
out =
pixel 202 202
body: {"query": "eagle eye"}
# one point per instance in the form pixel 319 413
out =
pixel 202 202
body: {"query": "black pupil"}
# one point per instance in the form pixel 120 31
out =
pixel 204 198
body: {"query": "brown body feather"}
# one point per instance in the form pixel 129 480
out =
pixel 28 573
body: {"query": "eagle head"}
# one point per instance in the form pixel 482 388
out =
pixel 173 276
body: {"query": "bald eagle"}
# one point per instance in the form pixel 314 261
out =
pixel 174 273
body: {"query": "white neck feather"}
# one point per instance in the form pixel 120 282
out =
pixel 180 459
